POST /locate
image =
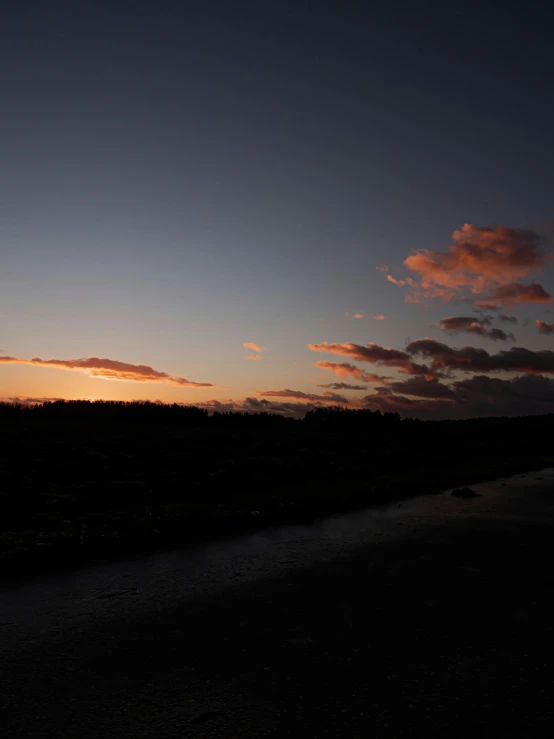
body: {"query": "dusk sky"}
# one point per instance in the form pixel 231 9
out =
pixel 323 181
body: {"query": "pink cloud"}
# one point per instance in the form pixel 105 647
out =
pixel 379 317
pixel 109 369
pixel 480 259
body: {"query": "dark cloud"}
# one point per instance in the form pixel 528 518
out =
pixel 477 396
pixel 343 386
pixel 507 319
pixel 257 405
pixel 470 359
pixel 512 294
pixel 476 326
pixel 421 388
pixel 327 397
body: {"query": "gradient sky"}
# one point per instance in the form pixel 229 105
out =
pixel 179 178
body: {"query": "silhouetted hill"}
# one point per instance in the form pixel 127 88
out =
pixel 81 478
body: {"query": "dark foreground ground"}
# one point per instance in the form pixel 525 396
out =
pixel 446 633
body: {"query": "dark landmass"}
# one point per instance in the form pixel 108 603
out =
pixel 81 481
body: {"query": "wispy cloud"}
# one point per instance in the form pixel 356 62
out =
pixel 251 345
pixel 109 369
pixel 254 357
pixel 507 319
pixel 324 398
pixel 379 317
pixel 545 328
pixel 343 386
pixel 373 353
pixel 345 369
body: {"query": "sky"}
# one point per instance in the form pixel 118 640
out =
pixel 323 181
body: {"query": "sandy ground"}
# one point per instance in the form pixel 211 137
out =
pixel 430 617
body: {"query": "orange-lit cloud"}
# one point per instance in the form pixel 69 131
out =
pixel 358 315
pixel 251 345
pixel 373 353
pixel 254 357
pixel 544 328
pixel 379 317
pixel 479 260
pixel 109 369
pixel 471 325
pixel 324 398
pixel 344 369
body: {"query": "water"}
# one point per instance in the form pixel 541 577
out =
pixel 132 589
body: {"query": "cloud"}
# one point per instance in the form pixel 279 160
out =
pixel 344 369
pixel 343 386
pixel 257 405
pixel 109 369
pixel 388 402
pixel 513 294
pixel 28 401
pixel 479 260
pixel 358 315
pixel 477 396
pixel 373 353
pixel 254 357
pixel 507 319
pixel 251 345
pixel 379 317
pixel 421 388
pixel 470 359
pixel 324 398
pixel 472 325
pixel 545 328
pixel 383 268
